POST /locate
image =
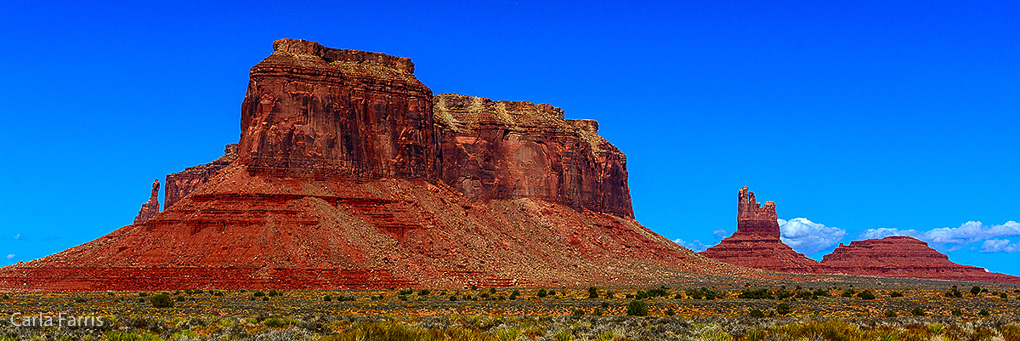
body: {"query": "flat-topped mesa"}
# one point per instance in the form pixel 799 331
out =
pixel 509 150
pixel 150 208
pixel 753 218
pixel 900 256
pixel 316 112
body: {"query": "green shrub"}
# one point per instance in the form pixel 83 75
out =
pixel 6 297
pixel 974 290
pixel 542 293
pixel 895 294
pixel 274 323
pixel 678 296
pixel 593 292
pixel 783 308
pixel 273 292
pixel 984 312
pixel 756 313
pixel 756 294
pixel 453 298
pixel 670 312
pixel 80 300
pixel 890 313
pixel 578 312
pixel 848 293
pixel 637 308
pixel 143 294
pixel 492 290
pixel 821 292
pixel 866 295
pixel 917 311
pixel 424 292
pixel 474 287
pixel 327 298
pixel 259 294
pixel 1004 296
pixel 161 301
pixel 957 312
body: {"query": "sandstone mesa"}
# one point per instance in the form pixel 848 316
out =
pixel 350 173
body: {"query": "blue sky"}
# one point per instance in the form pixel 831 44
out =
pixel 862 119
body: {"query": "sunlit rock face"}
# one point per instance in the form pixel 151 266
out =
pixel 509 150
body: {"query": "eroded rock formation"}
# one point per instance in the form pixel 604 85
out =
pixel 510 150
pixel 316 112
pixel 337 184
pixel 756 244
pixel 181 183
pixel 904 257
pixel 150 208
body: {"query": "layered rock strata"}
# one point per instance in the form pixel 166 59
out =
pixel 904 257
pixel 338 183
pixel 181 183
pixel 757 244
pixel 315 112
pixel 510 150
pixel 150 208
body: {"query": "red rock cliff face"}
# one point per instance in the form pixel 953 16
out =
pixel 756 244
pixel 316 112
pixel 181 183
pixel 904 257
pixel 509 150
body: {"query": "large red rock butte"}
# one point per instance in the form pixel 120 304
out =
pixel 904 257
pixel 350 174
pixel 756 244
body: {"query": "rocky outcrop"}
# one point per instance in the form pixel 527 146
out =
pixel 339 183
pixel 181 183
pixel 904 257
pixel 151 207
pixel 316 112
pixel 756 244
pixel 510 150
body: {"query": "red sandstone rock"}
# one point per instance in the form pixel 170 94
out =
pixel 756 243
pixel 510 150
pixel 181 183
pixel 316 112
pixel 150 208
pixel 904 257
pixel 337 184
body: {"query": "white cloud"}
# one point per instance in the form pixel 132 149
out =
pixel 17 236
pixel 720 233
pixel 948 239
pixel 808 237
pixel 10 256
pixel 695 245
pixel 1000 245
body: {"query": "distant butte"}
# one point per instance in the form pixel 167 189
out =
pixel 904 257
pixel 756 244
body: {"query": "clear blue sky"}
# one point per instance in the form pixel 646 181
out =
pixel 872 117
